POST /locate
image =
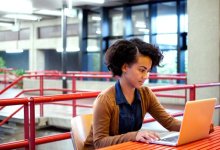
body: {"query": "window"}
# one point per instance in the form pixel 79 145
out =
pixel 93 45
pixel 164 34
pixel 169 63
pixel 140 20
pixel 93 48
pixel 94 32
pixel 94 61
pixel 94 26
pixel 116 21
pixel 55 31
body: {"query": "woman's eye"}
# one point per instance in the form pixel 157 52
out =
pixel 142 70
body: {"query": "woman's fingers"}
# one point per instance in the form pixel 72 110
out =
pixel 147 136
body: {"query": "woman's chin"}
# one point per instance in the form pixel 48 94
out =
pixel 139 85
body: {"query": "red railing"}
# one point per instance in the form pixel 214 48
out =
pixel 108 75
pixel 25 104
pixel 75 76
pixel 8 72
pixel 30 141
pixel 29 106
pixel 42 75
pixel 7 76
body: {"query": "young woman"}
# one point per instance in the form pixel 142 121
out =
pixel 119 110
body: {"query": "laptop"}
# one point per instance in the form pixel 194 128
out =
pixel 195 125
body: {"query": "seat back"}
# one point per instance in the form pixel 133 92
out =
pixel 80 126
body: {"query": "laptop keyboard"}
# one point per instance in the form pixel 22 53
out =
pixel 170 139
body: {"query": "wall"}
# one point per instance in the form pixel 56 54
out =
pixel 37 46
pixel 17 61
pixel 203 42
pixel 204 45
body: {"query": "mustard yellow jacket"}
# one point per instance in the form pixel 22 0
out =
pixel 104 130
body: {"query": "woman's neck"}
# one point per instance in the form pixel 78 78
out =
pixel 127 90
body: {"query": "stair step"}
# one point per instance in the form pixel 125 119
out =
pixel 7 129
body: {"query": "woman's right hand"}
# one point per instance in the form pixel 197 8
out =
pixel 147 136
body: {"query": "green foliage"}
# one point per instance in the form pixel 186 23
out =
pixel 18 72
pixel 2 63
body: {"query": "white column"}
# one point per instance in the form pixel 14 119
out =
pixel 36 57
pixel 204 45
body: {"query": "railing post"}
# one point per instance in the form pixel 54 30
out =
pixel 41 85
pixel 73 84
pixel 74 107
pixel 192 93
pixel 41 94
pixel 5 80
pixel 32 125
pixel 73 101
pixel 26 123
pixel 186 95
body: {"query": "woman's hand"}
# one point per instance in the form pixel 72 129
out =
pixel 147 136
pixel 211 128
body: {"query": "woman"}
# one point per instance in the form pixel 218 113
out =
pixel 119 110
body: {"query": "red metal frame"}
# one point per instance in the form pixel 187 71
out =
pixel 30 141
pixel 9 117
pixel 74 75
pixel 6 72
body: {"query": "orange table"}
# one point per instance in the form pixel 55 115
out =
pixel 212 143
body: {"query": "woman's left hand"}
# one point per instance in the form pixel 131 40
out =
pixel 211 128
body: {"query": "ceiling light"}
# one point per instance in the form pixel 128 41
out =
pixel 23 17
pixel 94 1
pixel 144 30
pixel 14 50
pixel 96 18
pixel 92 49
pixel 89 1
pixel 5 24
pixel 67 49
pixel 48 12
pixel 16 6
pixel 70 12
pixel 98 31
pixel 140 24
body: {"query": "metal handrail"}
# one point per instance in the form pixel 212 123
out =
pixel 106 75
pixel 35 100
pixel 12 84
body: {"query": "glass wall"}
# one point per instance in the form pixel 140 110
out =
pixel 116 21
pixel 184 31
pixel 164 34
pixel 94 32
pixel 94 61
pixel 163 24
pixel 93 41
pixel 141 22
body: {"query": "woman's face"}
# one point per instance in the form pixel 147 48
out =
pixel 137 73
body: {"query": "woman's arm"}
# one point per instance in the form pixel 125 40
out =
pixel 103 121
pixel 159 113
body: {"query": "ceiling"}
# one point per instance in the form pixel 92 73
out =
pixel 13 11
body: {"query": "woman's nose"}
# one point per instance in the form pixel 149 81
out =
pixel 146 75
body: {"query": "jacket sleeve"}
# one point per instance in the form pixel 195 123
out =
pixel 102 116
pixel 158 112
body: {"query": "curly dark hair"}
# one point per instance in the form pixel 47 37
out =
pixel 149 50
pixel 126 51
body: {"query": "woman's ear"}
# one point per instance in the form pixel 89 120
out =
pixel 124 68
